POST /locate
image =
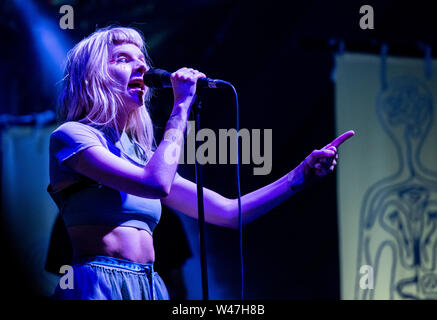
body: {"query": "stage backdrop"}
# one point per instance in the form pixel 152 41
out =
pixel 28 211
pixel 387 177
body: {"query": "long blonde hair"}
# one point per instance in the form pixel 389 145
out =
pixel 89 94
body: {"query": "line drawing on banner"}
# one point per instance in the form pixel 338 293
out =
pixel 398 218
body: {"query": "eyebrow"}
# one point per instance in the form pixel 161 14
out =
pixel 121 52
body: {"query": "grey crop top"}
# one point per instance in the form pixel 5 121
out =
pixel 87 202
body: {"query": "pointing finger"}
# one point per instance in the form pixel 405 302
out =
pixel 340 139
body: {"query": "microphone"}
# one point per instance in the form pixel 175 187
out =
pixel 159 79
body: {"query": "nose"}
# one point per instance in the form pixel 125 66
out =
pixel 141 67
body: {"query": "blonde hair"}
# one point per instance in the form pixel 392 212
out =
pixel 90 95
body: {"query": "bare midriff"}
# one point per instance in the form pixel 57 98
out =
pixel 126 243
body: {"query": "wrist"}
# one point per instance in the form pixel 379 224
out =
pixel 180 111
pixel 300 177
pixel 296 179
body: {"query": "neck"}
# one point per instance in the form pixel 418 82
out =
pixel 121 122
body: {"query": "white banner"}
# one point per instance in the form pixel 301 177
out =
pixel 28 211
pixel 387 177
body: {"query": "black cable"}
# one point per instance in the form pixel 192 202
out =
pixel 240 217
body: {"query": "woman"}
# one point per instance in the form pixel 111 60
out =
pixel 109 180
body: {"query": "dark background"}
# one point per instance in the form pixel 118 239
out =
pixel 279 58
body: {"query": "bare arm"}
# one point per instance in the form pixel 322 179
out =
pixel 152 181
pixel 156 178
pixel 223 212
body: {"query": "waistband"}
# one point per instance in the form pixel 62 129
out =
pixel 115 263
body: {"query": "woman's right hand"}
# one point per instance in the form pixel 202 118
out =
pixel 184 83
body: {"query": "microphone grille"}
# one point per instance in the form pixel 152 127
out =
pixel 157 78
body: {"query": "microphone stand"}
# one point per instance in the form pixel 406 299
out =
pixel 200 208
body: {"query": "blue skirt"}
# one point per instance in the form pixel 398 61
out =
pixel 107 278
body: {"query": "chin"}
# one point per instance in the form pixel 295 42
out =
pixel 134 102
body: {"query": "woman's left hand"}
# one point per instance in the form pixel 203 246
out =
pixel 321 162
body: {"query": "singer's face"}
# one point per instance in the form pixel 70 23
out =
pixel 127 66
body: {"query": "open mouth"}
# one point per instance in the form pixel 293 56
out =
pixel 137 85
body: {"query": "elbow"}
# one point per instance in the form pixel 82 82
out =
pixel 162 190
pixel 162 193
pixel 156 188
pixel 153 192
